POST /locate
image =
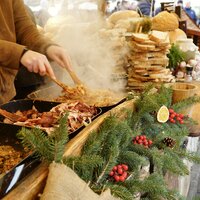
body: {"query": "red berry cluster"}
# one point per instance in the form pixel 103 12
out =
pixel 119 172
pixel 175 117
pixel 142 140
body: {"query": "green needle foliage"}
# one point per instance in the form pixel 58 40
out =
pixel 175 56
pixel 50 148
pixel 112 144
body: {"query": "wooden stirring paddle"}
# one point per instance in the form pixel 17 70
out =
pixel 79 89
pixel 11 116
pixel 74 77
pixel 62 85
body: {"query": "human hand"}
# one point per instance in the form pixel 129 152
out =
pixel 60 56
pixel 38 63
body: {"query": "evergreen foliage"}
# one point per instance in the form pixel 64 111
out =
pixel 50 148
pixel 112 145
pixel 175 56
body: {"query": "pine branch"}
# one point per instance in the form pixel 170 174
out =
pixel 190 156
pixel 108 163
pixel 186 103
pixel 51 148
pixel 59 138
pixel 84 166
pixel 173 163
pixel 133 159
pixel 32 139
pixel 121 192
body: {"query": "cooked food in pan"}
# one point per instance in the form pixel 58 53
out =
pixel 9 157
pixel 98 98
pixel 78 114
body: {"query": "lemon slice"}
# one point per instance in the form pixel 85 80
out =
pixel 163 114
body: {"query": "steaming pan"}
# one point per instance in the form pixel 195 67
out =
pixel 10 179
pixel 53 92
pixel 41 106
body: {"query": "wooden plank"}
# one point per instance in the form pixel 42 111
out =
pixel 34 183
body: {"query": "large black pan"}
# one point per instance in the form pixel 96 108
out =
pixel 41 106
pixel 53 92
pixel 23 168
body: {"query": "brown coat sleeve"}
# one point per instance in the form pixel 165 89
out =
pixel 26 32
pixel 10 54
pixel 16 23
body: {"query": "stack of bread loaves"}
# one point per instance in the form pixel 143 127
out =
pixel 148 59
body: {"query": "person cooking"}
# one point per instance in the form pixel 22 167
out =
pixel 21 45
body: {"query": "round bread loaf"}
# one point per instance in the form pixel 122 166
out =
pixel 122 15
pixel 176 35
pixel 165 21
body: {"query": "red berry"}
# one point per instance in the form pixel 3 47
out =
pixel 140 141
pixel 134 142
pixel 137 137
pixel 172 121
pixel 119 166
pixel 114 168
pixel 146 142
pixel 177 115
pixel 120 171
pixel 125 167
pixel 178 118
pixel 172 116
pixel 150 142
pixel 144 137
pixel 171 110
pixel 116 177
pixel 111 173
pixel 125 174
pixel 181 122
pixel 122 178
pixel 181 116
pixel 141 137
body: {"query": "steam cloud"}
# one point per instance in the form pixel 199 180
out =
pixel 92 57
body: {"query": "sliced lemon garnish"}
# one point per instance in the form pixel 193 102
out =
pixel 163 114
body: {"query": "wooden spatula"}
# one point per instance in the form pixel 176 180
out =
pixel 74 77
pixel 11 116
pixel 62 85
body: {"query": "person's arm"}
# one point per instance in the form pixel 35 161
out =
pixel 26 32
pixel 28 35
pixel 10 54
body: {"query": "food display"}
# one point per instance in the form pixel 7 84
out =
pixel 148 59
pixel 144 50
pixel 92 97
pixel 97 98
pixel 78 114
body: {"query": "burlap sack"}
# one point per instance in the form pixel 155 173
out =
pixel 64 184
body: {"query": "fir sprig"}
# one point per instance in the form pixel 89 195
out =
pixel 50 148
pixel 186 103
